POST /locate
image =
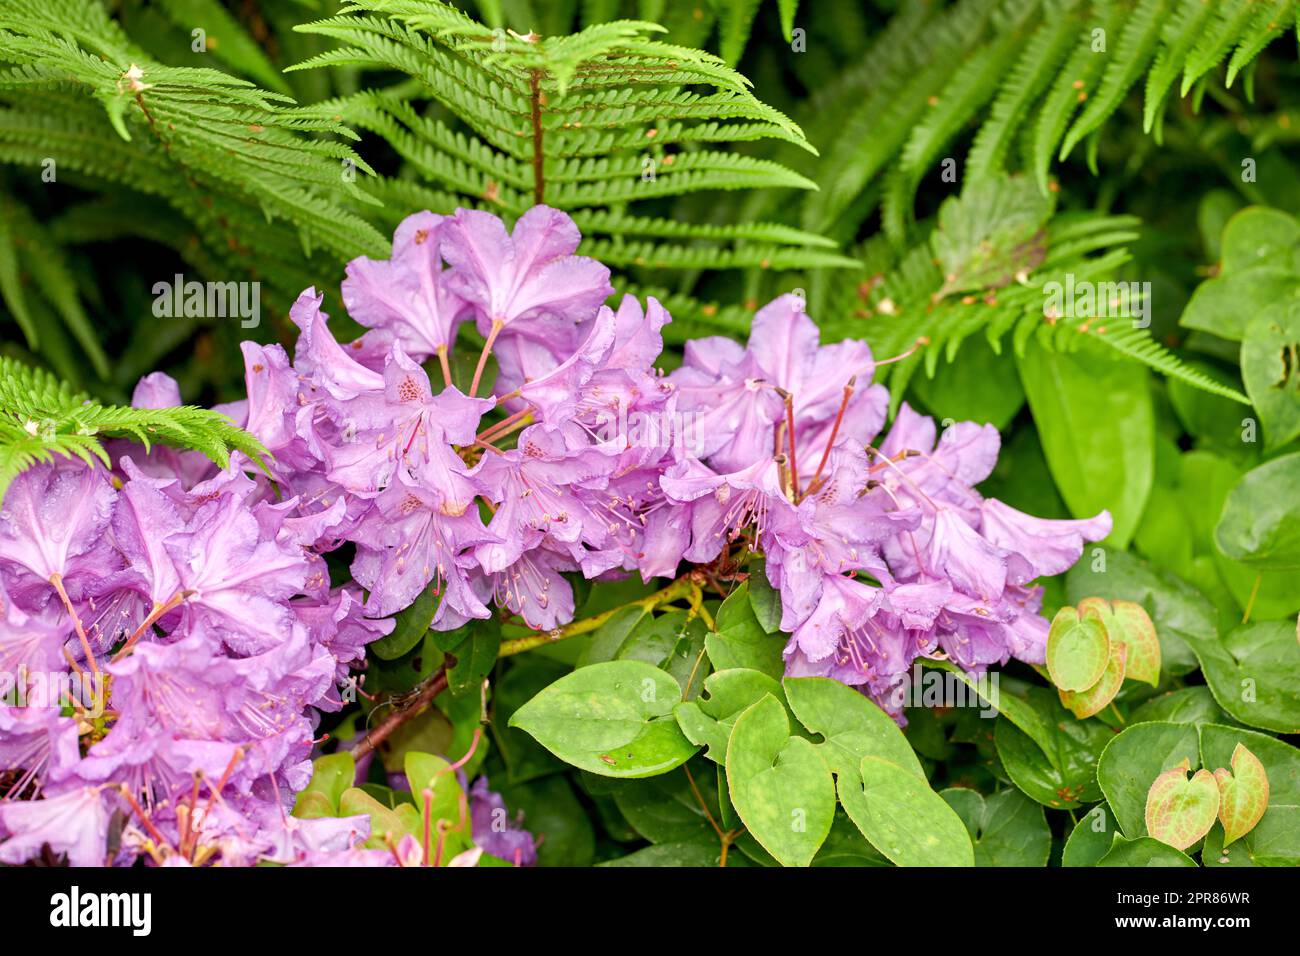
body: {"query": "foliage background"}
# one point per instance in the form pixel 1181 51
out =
pixel 826 176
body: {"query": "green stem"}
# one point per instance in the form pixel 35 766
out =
pixel 683 587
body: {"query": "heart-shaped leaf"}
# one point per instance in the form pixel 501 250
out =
pixel 779 785
pixel 1270 367
pixel 853 725
pixel 1180 810
pixel 1243 794
pixel 708 720
pixel 1260 525
pixel 1134 629
pixel 1094 700
pixel 1136 757
pixel 614 719
pixel 1078 650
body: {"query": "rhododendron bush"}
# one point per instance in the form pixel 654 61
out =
pixel 511 549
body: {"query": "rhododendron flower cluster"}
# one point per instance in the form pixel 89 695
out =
pixel 202 600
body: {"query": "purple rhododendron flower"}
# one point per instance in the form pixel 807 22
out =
pixel 177 633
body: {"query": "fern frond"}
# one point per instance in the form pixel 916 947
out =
pixel 41 417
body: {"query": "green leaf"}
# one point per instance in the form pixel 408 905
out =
pixel 1243 794
pixel 1270 367
pixel 1179 810
pixel 903 818
pixel 1064 774
pixel 1092 701
pixel 331 774
pixel 387 824
pixel 475 657
pixel 763 598
pixel 989 234
pixel 1095 419
pixel 1091 839
pixel 741 641
pixel 613 719
pixel 851 725
pixel 1078 650
pixel 1260 525
pixel 1259 269
pixel 1254 673
pixel 664 810
pixel 1187 705
pixel 708 721
pixel 409 628
pixel 780 786
pixel 976 385
pixel 692 854
pixel 1275 841
pixel 1134 759
pixel 1144 851
pixel 1008 829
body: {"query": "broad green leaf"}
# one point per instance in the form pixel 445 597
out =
pixel 1078 650
pixel 707 721
pixel 1132 760
pixel 1274 841
pixel 1026 712
pixel 1270 367
pixel 779 784
pixel 664 810
pixel 1187 705
pixel 613 719
pixel 1064 775
pixel 438 796
pixel 1095 419
pixel 1008 829
pixel 609 637
pixel 1259 235
pixel 852 726
pixel 903 818
pixel 1243 794
pixel 1260 525
pixel 1258 268
pixel 1091 839
pixel 1254 673
pixel 1180 810
pixel 1144 851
